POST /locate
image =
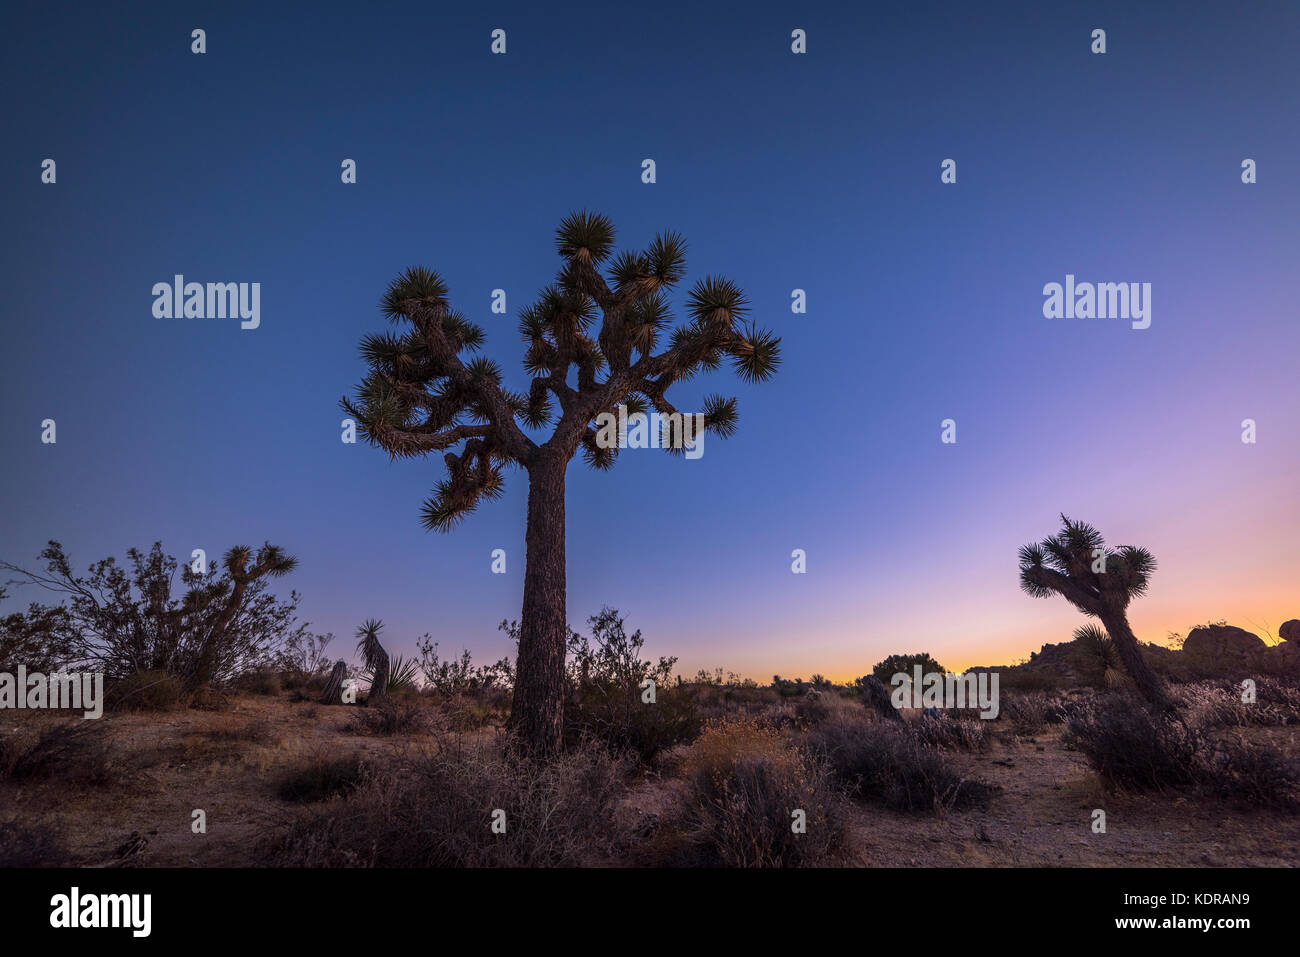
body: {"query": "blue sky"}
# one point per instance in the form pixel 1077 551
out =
pixel 818 172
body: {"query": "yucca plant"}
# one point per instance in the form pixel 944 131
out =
pixel 374 657
pixel 600 337
pixel 1100 582
pixel 401 675
pixel 1102 659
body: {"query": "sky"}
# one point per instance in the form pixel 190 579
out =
pixel 816 171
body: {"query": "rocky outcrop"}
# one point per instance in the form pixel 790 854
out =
pixel 1209 650
pixel 1222 647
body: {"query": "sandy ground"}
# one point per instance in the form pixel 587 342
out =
pixel 228 764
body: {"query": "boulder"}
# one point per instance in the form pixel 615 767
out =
pixel 1218 648
pixel 1290 630
pixel 1283 658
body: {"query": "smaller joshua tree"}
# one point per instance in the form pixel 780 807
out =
pixel 374 657
pixel 1100 582
pixel 270 560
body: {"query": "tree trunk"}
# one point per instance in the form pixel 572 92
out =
pixel 333 693
pixel 536 715
pixel 1126 643
pixel 207 663
pixel 379 675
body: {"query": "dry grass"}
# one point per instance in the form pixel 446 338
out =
pixel 753 798
pixel 464 804
pixel 725 798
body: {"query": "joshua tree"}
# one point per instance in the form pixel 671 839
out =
pixel 421 395
pixel 126 619
pixel 374 657
pixel 270 560
pixel 1100 582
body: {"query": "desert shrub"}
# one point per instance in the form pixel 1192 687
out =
pixel 956 733
pixel 718 701
pixel 309 689
pixel 302 659
pixel 1131 747
pixel 41 639
pixel 612 656
pixel 887 763
pixel 721 678
pixel 813 707
pixel 789 687
pixel 607 678
pixel 321 777
pixel 389 716
pixel 1134 747
pixel 130 617
pixel 884 671
pixel 1029 712
pixel 471 696
pixel 783 716
pixel 253 732
pixel 1281 700
pixel 1219 704
pixel 617 716
pixel 1256 774
pixel 260 682
pixel 77 750
pixel 438 812
pixel 209 698
pixel 302 686
pixel 146 691
pixel 470 711
pixel 455 677
pixel 744 784
pixel 31 845
pixel 873 694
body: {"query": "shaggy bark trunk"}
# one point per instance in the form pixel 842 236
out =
pixel 536 715
pixel 379 676
pixel 1126 643
pixel 333 693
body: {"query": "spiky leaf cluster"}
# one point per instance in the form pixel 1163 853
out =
pixel 601 335
pixel 1076 563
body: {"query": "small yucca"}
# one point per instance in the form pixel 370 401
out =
pixel 1101 655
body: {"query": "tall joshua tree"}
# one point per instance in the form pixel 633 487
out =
pixel 1100 582
pixel 422 394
